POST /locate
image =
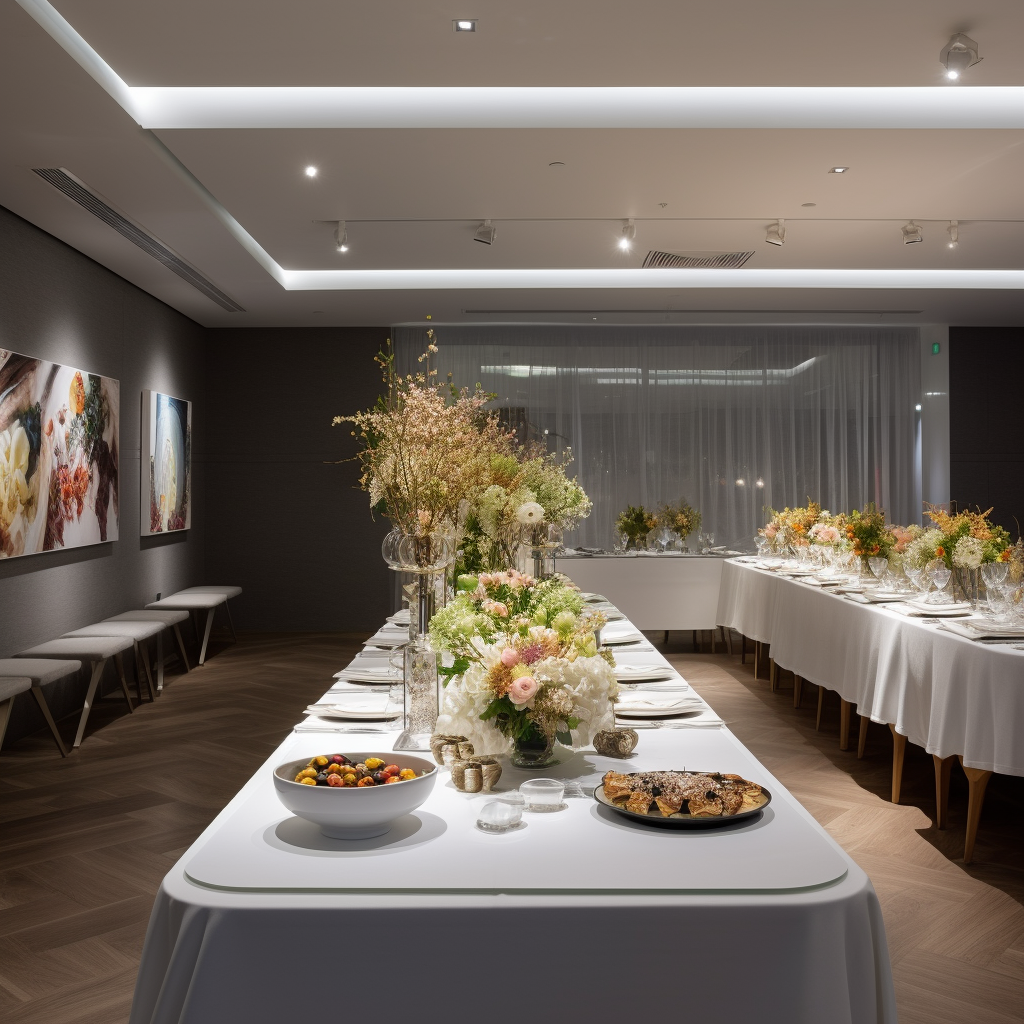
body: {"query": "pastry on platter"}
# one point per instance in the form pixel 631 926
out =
pixel 669 794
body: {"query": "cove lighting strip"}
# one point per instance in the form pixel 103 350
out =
pixel 386 107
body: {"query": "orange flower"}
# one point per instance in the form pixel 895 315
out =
pixel 940 552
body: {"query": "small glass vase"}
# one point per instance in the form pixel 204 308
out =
pixel 966 585
pixel 534 750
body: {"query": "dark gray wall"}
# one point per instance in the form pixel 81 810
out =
pixel 59 305
pixel 285 523
pixel 986 440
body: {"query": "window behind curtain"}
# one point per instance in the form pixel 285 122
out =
pixel 731 418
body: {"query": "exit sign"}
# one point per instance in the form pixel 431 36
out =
pixel 935 348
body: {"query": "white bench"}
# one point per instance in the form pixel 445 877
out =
pixel 194 602
pixel 138 632
pixel 96 650
pixel 17 675
pixel 168 620
pixel 228 592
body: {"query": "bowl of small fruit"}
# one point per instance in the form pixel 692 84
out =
pixel 355 796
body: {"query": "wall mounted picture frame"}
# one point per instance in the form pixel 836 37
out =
pixel 59 446
pixel 166 500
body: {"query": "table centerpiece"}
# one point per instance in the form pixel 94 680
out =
pixel 634 523
pixel 681 518
pixel 526 669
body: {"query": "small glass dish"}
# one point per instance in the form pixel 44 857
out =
pixel 543 795
pixel 503 812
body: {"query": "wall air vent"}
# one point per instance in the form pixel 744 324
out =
pixel 701 260
pixel 76 190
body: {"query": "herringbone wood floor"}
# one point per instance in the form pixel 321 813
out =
pixel 84 842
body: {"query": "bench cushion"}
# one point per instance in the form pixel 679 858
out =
pixel 11 686
pixel 168 617
pixel 85 648
pixel 39 670
pixel 132 628
pixel 190 602
pixel 226 591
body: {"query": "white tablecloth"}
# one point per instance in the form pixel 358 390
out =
pixel 495 929
pixel 945 693
pixel 655 592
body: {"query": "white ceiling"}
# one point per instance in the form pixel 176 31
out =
pixel 413 197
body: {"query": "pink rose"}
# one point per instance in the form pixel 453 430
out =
pixel 522 689
pixel 499 609
pixel 509 657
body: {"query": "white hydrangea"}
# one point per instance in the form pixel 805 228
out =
pixel 969 553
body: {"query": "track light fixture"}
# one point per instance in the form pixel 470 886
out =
pixel 954 234
pixel 486 234
pixel 959 54
pixel 341 237
pixel 628 234
pixel 911 233
pixel 776 233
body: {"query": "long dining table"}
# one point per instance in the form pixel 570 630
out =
pixel 579 914
pixel 959 698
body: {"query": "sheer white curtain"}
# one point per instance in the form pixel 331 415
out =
pixel 731 418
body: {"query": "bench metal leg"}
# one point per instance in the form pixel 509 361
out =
pixel 119 661
pixel 90 694
pixel 5 717
pixel 45 708
pixel 181 647
pixel 206 635
pixel 234 635
pixel 142 654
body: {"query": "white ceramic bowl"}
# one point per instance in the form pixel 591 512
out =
pixel 353 812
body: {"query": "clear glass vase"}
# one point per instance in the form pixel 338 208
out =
pixel 421 697
pixel 544 540
pixel 966 585
pixel 534 750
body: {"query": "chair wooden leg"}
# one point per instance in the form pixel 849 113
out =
pixel 942 769
pixel 119 661
pixel 714 639
pixel 727 633
pixel 845 710
pixel 899 748
pixel 757 659
pixel 977 782
pixel 773 675
pixel 743 649
pixel 821 705
pixel 664 641
pixel 862 736
pixel 798 690
pixel 45 708
pixel 693 640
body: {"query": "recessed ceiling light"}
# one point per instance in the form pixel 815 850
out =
pixel 341 237
pixel 776 234
pixel 954 234
pixel 311 171
pixel 628 234
pixel 464 25
pixel 959 54
pixel 838 170
pixel 805 205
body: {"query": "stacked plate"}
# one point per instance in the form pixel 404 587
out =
pixel 649 704
pixel 939 611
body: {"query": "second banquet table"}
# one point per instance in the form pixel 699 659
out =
pixel 579 914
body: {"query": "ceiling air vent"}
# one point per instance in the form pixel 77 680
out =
pixel 702 260
pixel 64 181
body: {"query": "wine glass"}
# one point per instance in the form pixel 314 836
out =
pixel 709 539
pixel 913 574
pixel 993 573
pixel 940 576
pixel 878 565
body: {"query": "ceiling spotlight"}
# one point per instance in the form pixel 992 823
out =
pixel 341 237
pixel 838 170
pixel 911 233
pixel 760 483
pixel 487 233
pixel 954 234
pixel 959 54
pixel 628 234
pixel 776 233
pixel 464 25
pixel 311 171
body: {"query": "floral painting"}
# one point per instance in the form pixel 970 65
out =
pixel 58 456
pixel 167 463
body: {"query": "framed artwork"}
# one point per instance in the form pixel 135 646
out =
pixel 58 456
pixel 166 463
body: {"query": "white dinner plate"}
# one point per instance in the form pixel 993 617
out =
pixel 939 611
pixel 357 711
pixel 655 707
pixel 643 673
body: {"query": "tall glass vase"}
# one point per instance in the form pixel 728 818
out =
pixel 966 585
pixel 427 558
pixel 544 540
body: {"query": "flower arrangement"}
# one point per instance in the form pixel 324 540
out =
pixel 427 446
pixel 792 525
pixel 563 501
pixel 964 540
pixel 825 534
pixel 867 533
pixel 681 517
pixel 526 666
pixel 635 522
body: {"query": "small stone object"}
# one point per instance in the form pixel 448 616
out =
pixel 475 775
pixel 501 814
pixel 449 749
pixel 616 742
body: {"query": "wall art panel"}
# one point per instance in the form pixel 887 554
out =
pixel 166 463
pixel 58 456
